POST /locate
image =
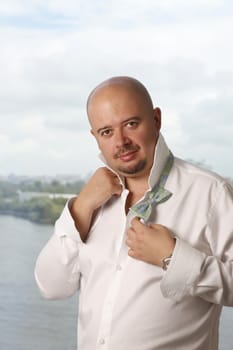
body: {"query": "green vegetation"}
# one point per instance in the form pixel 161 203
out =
pixel 43 209
pixel 38 206
pixel 51 187
pixel 8 190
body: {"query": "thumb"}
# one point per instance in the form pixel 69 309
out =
pixel 118 189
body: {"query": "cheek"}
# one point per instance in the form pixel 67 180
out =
pixel 147 141
pixel 148 148
pixel 107 149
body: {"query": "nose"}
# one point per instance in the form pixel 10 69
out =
pixel 121 138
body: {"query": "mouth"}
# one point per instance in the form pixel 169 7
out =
pixel 127 153
pixel 127 156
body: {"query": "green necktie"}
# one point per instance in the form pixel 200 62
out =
pixel 158 194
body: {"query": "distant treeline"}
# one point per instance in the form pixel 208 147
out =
pixel 8 188
pixel 40 209
pixel 43 210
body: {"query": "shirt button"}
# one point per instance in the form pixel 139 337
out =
pixel 118 267
pixel 101 341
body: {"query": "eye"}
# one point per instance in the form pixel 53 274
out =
pixel 132 124
pixel 106 132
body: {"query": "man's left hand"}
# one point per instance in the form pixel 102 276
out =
pixel 149 243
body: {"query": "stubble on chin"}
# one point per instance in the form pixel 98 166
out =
pixel 139 167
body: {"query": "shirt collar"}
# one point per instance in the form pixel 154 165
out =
pixel 160 157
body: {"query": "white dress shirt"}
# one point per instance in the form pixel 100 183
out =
pixel 128 304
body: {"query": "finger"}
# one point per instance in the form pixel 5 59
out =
pixel 118 190
pixel 131 233
pixel 128 243
pixel 131 253
pixel 137 222
pixel 117 187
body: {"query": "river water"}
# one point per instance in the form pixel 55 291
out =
pixel 27 321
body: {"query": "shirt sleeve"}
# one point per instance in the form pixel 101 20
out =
pixel 57 267
pixel 195 273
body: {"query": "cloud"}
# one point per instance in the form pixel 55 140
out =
pixel 54 52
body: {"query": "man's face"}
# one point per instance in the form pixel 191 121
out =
pixel 126 128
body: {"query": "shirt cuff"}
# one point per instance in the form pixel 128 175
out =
pixel 183 272
pixel 65 225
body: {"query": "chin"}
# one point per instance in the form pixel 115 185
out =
pixel 132 170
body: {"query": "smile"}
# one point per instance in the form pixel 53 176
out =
pixel 128 156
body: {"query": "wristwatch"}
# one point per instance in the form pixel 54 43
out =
pixel 166 262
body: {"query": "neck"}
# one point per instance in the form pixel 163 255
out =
pixel 137 187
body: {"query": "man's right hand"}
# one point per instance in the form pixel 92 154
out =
pixel 99 189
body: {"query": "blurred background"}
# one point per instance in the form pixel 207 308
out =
pixel 53 53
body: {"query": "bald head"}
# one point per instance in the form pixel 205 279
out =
pixel 115 84
pixel 124 124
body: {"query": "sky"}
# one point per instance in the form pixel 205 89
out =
pixel 54 52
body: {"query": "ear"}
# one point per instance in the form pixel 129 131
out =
pixel 157 117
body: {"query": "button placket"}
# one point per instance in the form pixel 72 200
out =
pixel 107 314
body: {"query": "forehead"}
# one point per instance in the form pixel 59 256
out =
pixel 111 108
pixel 116 101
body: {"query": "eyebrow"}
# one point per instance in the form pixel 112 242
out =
pixel 124 122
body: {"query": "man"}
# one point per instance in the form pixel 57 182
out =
pixel 149 240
